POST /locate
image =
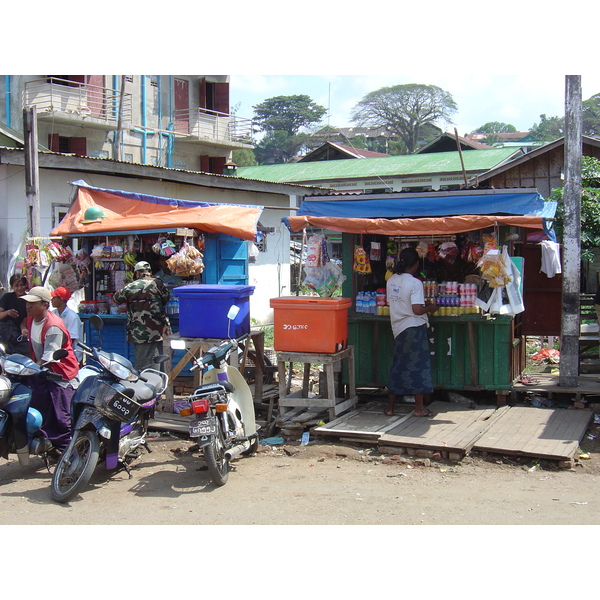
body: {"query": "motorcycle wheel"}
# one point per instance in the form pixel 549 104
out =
pixel 214 454
pixel 70 478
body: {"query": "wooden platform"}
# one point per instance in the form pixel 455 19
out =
pixel 367 423
pixel 523 431
pixel 549 384
pixel 453 428
pixel 526 431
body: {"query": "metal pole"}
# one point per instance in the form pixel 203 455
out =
pixel 570 325
pixel 31 170
pixel 119 132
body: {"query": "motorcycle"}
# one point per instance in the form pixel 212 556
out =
pixel 110 413
pixel 20 424
pixel 223 421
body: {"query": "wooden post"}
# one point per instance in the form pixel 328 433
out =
pixel 31 171
pixel 570 324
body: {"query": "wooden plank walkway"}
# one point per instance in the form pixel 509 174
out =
pixel 453 428
pixel 542 433
pixel 367 423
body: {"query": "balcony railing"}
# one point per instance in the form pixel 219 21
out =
pixel 76 100
pixel 214 126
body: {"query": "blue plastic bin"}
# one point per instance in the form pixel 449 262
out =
pixel 203 310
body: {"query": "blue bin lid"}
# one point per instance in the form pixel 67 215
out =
pixel 205 288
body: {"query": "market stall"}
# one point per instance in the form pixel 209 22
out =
pixel 110 230
pixel 470 244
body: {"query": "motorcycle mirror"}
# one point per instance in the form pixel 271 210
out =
pixel 178 344
pixel 58 354
pixel 97 322
pixel 233 312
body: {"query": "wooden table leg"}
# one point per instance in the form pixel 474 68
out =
pixel 330 388
pixel 258 339
pixel 282 384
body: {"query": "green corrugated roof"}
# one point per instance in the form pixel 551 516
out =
pixel 390 166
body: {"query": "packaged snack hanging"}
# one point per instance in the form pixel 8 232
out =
pixel 375 252
pixel 314 255
pixel 361 261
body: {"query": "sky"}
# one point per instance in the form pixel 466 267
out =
pixel 500 62
pixel 517 99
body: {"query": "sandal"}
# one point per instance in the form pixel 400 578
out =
pixel 428 413
pixel 528 380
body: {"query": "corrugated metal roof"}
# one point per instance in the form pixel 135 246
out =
pixel 390 166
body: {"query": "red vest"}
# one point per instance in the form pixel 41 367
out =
pixel 68 367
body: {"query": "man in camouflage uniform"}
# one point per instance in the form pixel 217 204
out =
pixel 147 322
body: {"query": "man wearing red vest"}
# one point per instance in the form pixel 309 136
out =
pixel 48 333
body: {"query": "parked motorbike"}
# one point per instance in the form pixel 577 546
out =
pixel 110 413
pixel 20 424
pixel 223 409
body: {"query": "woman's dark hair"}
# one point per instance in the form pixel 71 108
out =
pixel 408 257
pixel 17 277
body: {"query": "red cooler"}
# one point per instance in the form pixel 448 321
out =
pixel 310 324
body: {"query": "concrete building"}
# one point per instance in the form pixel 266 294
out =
pixel 174 121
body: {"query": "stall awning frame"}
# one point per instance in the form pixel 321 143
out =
pixel 130 212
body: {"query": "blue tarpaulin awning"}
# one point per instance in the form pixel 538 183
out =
pixel 422 214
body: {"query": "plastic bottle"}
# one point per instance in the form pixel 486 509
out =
pixel 358 305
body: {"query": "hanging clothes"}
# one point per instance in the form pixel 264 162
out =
pixel 550 258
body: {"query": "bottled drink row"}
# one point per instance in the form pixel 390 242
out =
pixel 452 298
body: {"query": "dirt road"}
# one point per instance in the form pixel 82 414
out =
pixel 320 484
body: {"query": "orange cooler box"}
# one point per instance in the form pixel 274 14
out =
pixel 310 324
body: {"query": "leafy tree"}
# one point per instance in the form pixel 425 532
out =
pixel 287 113
pixel 552 128
pixel 404 110
pixel 278 147
pixel 496 127
pixel 549 128
pixel 590 207
pixel 281 118
pixel 590 116
pixel 243 157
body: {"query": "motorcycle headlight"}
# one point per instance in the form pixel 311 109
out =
pixel 5 389
pixel 14 368
pixel 117 369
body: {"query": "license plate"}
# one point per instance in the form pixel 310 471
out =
pixel 201 427
pixel 123 406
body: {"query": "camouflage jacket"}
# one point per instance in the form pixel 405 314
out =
pixel 146 319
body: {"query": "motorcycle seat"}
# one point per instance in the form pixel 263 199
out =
pixel 210 388
pixel 147 390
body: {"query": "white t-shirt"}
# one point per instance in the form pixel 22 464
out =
pixel 74 327
pixel 403 290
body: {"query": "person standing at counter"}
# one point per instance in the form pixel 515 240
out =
pixel 146 298
pixel 410 374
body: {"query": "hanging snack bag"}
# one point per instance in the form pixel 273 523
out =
pixel 361 261
pixel 314 255
pixel 422 248
pixel 375 253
